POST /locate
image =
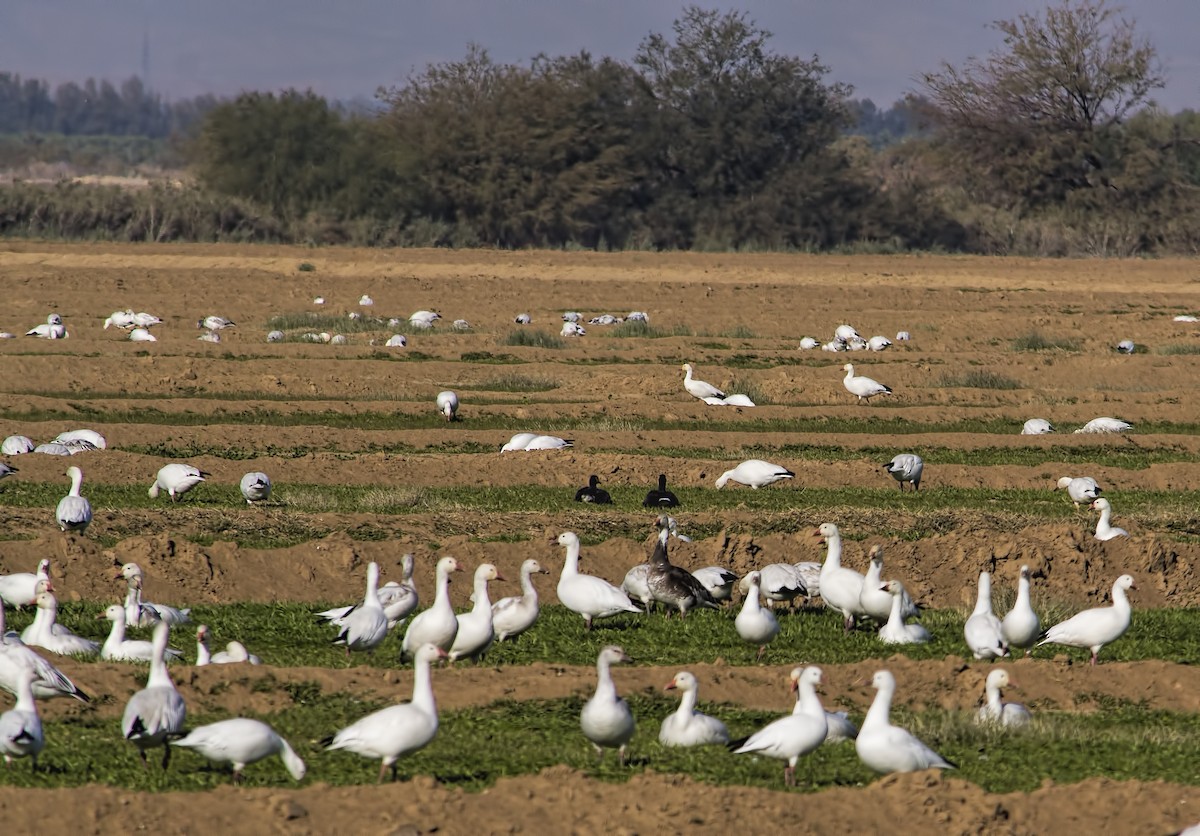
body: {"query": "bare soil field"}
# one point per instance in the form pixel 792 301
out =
pixel 316 415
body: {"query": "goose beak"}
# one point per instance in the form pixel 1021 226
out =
pixel 101 617
pixel 670 686
pixel 500 577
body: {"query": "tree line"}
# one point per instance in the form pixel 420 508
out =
pixel 710 140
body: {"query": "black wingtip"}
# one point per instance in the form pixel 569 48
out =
pixel 325 741
pixel 734 745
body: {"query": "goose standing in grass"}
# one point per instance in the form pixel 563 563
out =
pixel 514 615
pixel 1105 530
pixel 157 712
pixel 587 595
pixel 21 727
pixel 16 445
pixel 637 585
pixel 140 613
pixel 841 588
pixel 475 628
pixel 1081 489
pixel 994 709
pixel 235 652
pixel 717 580
pixel 906 467
pixel 1037 426
pixel 241 741
pixel 896 631
pixel 177 479
pixel 48 680
pixel 886 748
pixel 754 472
pixel 591 492
pixel 47 633
pixel 396 730
pixel 447 404
pixel 606 719
pixel 778 583
pixel 367 626
pixel 20 588
pixel 1104 425
pixel 799 733
pixel 437 625
pixel 673 585
pixel 1096 627
pixel 399 599
pixel 875 601
pixel 753 623
pixel 117 648
pixel 698 388
pixel 686 726
pixel 838 723
pixel 863 387
pixel 74 512
pixel 1021 627
pixel 660 497
pixel 982 629
pixel 256 487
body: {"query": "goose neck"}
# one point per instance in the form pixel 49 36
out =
pixel 687 702
pixel 423 686
pixel 879 714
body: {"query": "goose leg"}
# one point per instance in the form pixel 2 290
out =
pixel 789 776
pixel 166 761
pixel 621 753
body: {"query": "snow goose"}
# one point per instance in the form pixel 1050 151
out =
pixel 730 400
pixel 808 343
pixel 365 301
pixel 587 595
pixel 686 726
pixel 879 343
pixel 887 748
pixel 895 630
pixel 46 632
pixel 522 319
pixel 549 442
pixel 846 333
pixel 638 316
pixel 215 323
pixel 53 448
pixel 437 625
pixel 698 388
pixel 660 497
pixel 514 615
pixel 841 588
pixel 1186 318
pixel 797 734
pixel 234 652
pixel 141 335
pixel 424 319
pixel 637 585
pixel 1126 347
pixel 211 337
pixel 396 730
pixel 518 442
pixel 117 648
pixel 572 329
pixel 874 600
pixel 396 341
pixel 1037 426
pixel 91 437
pixel 366 627
pixel 275 336
pixel 447 404
pixel 146 320
pixel 121 319
pixel 20 588
pixel 1021 628
pixel 606 719
pixel 834 345
pixel 994 710
pixel 863 387
pixel 754 472
pixel 838 723
pixel 1105 530
pixel 140 613
pixel 157 712
pixel 51 329
pixel 1096 627
pixel 74 512
pixel 982 629
pixel 717 580
pixel 1080 488
pixel 572 316
pixel 778 583
pixel 241 741
pixel 673 585
pixel 753 623
pixel 21 727
pixel 1104 425
pixel 255 487
pixel 176 479
pixel 476 631
pixel 16 445
pixel 906 467
pixel 903 336
pixel 48 680
pixel 592 493
pixel 399 599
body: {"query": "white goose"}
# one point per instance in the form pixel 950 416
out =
pixel 176 479
pixel 548 442
pixel 778 583
pixel 1104 425
pixel 514 615
pixel 215 323
pixel 46 633
pixel 1021 627
pixel 16 445
pixel 398 729
pixel 698 388
pixel 518 442
pixel 447 404
pixel 48 680
pixel 20 588
pixel 753 623
pixel 117 648
pixel 906 467
pixel 74 512
pixel 1081 489
pixel 994 709
pixel 366 627
pixel 157 712
pixel 717 580
pixel 838 725
pixel 437 625
pixel 846 333
pixel 754 472
pixel 896 631
pixel 476 630
pixel 982 629
pixel 637 585
pixel 863 387
pixel 399 599
pixel 234 652
pixel 1096 627
pixel 875 601
pixel 796 734
pixel 887 748
pixel 255 487
pixel 89 437
pixel 606 719
pixel 241 741
pixel 587 595
pixel 140 613
pixel 840 587
pixel 1105 530
pixel 686 726
pixel 21 727
pixel 1037 426
pixel 51 329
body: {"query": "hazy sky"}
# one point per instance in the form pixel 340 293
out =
pixel 348 48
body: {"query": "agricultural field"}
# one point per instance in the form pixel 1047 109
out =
pixel 365 469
